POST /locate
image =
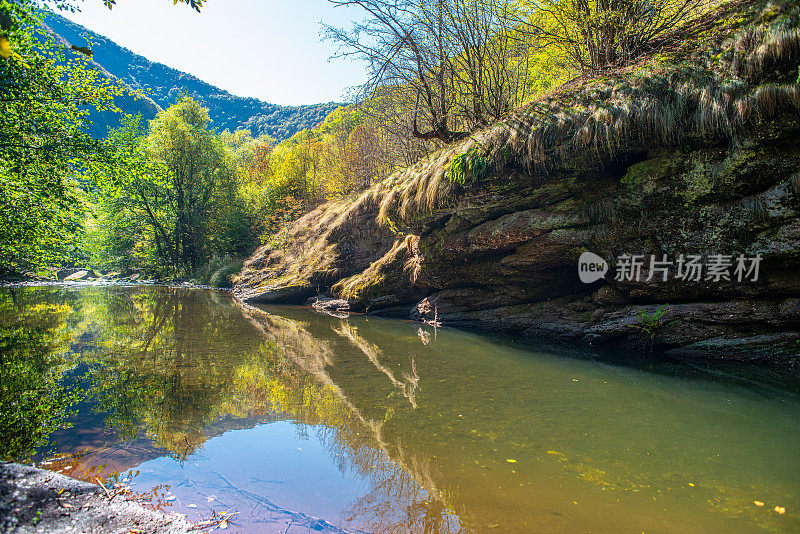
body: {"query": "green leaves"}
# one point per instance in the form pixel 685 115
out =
pixel 5 47
pixel 469 165
pixel 44 147
pixel 195 4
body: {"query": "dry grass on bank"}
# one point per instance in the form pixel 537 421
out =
pixel 735 73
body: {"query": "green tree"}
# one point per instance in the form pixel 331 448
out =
pixel 44 102
pixel 131 220
pixel 171 196
pixel 197 164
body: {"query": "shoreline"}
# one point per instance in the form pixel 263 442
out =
pixel 36 500
pixel 702 358
pixel 112 283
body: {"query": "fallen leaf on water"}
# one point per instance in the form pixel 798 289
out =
pixel 511 460
pixel 758 503
pixel 691 484
pixel 780 509
pixel 553 452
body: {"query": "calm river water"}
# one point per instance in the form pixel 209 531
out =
pixel 303 422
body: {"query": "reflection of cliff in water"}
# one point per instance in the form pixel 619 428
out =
pixel 482 435
pixel 403 496
pixel 452 431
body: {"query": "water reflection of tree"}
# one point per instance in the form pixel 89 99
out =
pixel 403 496
pixel 33 340
pixel 169 362
pixel 166 361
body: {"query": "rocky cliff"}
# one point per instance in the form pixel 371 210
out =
pixel 694 153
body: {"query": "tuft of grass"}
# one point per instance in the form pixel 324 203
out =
pixel 602 211
pixel 359 286
pixel 413 264
pixel 223 277
pixel 648 324
pixel 773 48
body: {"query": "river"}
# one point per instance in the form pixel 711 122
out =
pixel 297 421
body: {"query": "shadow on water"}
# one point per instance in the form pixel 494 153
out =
pixel 305 422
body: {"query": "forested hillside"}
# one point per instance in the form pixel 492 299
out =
pixel 164 86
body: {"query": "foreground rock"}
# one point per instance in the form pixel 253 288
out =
pixel 35 500
pixel 697 158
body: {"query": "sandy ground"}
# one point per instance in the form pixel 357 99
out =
pixel 35 500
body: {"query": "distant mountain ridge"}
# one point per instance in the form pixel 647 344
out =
pixel 163 85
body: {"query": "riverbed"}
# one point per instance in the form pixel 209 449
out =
pixel 297 421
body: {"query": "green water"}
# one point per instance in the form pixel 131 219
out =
pixel 303 422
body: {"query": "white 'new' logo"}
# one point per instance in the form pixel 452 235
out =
pixel 591 267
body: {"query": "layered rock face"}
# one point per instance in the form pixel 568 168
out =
pixel 497 248
pixel 507 259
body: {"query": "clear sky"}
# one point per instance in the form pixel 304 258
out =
pixel 268 49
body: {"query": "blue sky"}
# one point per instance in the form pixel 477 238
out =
pixel 268 49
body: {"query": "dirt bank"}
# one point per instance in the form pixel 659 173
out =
pixel 35 500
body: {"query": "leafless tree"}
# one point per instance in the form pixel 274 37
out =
pixel 601 34
pixel 453 64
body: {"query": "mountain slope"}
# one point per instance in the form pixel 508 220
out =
pixel 163 85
